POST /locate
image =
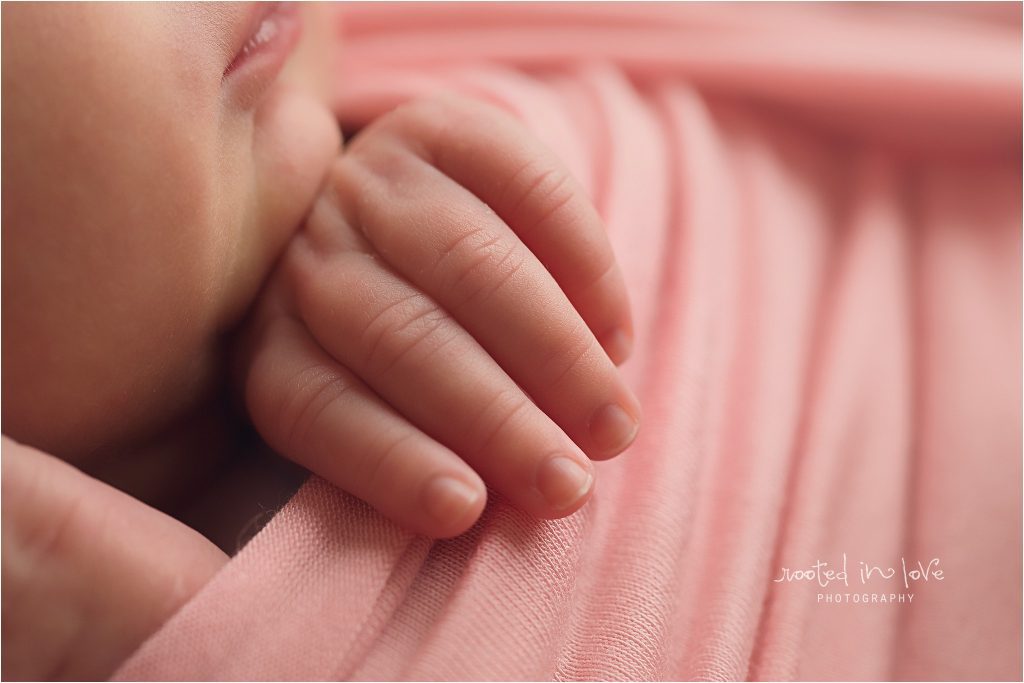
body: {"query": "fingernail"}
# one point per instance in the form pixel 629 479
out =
pixel 448 499
pixel 612 428
pixel 618 345
pixel 563 481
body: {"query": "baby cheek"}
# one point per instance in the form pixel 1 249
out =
pixel 122 233
pixel 132 320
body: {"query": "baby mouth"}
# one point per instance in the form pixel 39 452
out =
pixel 266 31
pixel 276 29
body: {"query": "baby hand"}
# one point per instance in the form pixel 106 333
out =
pixel 451 310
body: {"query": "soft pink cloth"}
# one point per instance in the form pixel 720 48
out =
pixel 818 212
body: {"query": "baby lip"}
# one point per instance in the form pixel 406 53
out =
pixel 265 28
pixel 266 31
pixel 248 26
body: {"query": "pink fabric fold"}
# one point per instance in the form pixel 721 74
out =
pixel 818 212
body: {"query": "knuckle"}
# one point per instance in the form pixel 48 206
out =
pixel 434 127
pixel 380 173
pixel 315 279
pixel 569 353
pixel 417 123
pixel 337 207
pixel 437 112
pixel 384 195
pixel 430 111
pixel 541 195
pixel 403 327
pixel 497 415
pixel 376 470
pixel 312 390
pixel 481 264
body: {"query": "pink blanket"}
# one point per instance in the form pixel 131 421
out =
pixel 818 212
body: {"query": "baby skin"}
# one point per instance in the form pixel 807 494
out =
pixel 450 315
pixel 431 312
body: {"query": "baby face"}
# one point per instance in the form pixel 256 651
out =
pixel 153 168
